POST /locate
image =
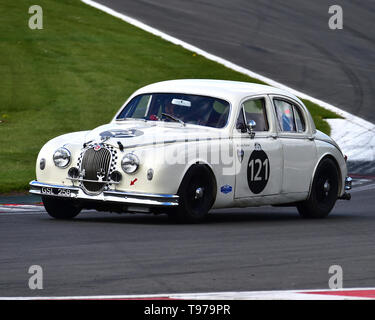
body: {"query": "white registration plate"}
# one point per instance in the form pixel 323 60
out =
pixel 56 192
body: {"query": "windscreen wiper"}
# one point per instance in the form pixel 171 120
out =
pixel 125 119
pixel 173 118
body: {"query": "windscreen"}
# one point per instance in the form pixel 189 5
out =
pixel 190 109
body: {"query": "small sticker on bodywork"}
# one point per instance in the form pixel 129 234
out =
pixel 258 171
pixel 97 147
pixel 240 154
pixel 226 189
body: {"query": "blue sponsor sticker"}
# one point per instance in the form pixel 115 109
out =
pixel 226 189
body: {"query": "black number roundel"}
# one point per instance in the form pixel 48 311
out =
pixel 258 171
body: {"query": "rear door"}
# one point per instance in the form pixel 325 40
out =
pixel 299 150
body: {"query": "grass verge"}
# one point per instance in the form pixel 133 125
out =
pixel 75 73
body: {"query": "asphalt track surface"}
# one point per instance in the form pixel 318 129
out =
pixel 234 250
pixel 287 41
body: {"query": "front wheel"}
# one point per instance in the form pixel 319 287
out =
pixel 324 191
pixel 60 209
pixel 197 194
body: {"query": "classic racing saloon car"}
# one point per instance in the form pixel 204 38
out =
pixel 183 147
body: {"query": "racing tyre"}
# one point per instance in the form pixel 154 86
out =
pixel 60 209
pixel 197 194
pixel 324 191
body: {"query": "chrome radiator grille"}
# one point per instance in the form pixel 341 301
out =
pixel 96 165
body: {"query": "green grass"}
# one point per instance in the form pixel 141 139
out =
pixel 75 73
pixel 319 114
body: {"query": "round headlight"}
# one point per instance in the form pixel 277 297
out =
pixel 130 163
pixel 62 157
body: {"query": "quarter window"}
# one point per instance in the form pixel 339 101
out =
pixel 300 122
pixel 241 124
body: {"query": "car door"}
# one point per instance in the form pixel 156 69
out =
pixel 299 150
pixel 259 159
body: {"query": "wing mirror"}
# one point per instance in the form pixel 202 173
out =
pixel 250 128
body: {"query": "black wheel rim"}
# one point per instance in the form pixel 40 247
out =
pixel 196 202
pixel 326 188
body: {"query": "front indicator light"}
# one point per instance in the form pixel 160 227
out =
pixel 42 164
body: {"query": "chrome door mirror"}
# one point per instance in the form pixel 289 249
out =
pixel 250 128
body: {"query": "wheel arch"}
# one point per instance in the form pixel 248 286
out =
pixel 210 170
pixel 332 157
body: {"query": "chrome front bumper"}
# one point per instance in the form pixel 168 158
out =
pixel 127 198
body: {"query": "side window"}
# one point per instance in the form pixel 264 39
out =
pixel 285 115
pixel 256 110
pixel 300 122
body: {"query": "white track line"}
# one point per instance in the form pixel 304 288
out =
pixel 20 209
pixel 234 295
pixel 363 188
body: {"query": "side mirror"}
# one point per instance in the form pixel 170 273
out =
pixel 250 128
pixel 241 127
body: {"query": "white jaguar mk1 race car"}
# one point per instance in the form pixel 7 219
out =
pixel 183 147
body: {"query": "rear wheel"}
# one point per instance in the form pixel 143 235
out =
pixel 324 191
pixel 60 208
pixel 197 194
